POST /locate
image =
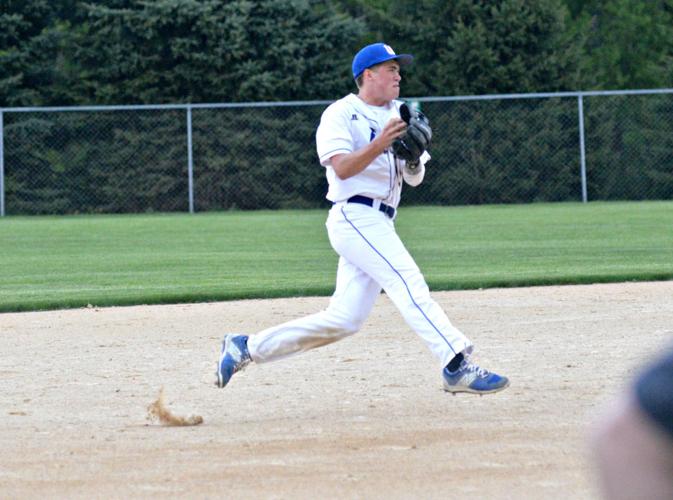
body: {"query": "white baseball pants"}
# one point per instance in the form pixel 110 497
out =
pixel 372 257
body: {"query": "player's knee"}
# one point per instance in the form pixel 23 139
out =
pixel 420 295
pixel 412 285
pixel 350 328
pixel 344 326
pixel 345 322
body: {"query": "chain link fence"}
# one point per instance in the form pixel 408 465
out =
pixel 518 148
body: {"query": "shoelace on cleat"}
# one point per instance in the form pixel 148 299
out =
pixel 240 358
pixel 471 367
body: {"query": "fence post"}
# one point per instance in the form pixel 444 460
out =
pixel 583 162
pixel 190 160
pixel 2 164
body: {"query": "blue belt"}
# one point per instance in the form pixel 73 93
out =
pixel 363 200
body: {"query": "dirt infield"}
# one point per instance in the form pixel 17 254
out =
pixel 362 418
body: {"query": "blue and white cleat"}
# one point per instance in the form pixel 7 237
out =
pixel 471 378
pixel 233 358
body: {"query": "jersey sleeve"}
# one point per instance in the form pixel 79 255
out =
pixel 333 135
pixel 415 177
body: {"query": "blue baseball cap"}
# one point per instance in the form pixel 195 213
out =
pixel 377 53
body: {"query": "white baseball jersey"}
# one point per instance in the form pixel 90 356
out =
pixel 371 255
pixel 350 124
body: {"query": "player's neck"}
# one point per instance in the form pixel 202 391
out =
pixel 372 100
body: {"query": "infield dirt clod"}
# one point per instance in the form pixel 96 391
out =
pixel 158 411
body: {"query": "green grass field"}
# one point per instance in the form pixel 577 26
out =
pixel 63 262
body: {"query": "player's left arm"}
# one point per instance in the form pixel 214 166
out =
pixel 411 147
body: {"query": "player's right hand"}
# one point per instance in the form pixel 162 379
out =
pixel 394 128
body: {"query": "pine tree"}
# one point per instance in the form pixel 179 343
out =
pixel 476 47
pixel 27 51
pixel 215 51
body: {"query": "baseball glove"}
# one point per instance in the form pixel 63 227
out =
pixel 416 139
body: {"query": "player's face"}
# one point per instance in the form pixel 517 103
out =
pixel 386 80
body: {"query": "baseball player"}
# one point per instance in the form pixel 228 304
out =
pixel 369 144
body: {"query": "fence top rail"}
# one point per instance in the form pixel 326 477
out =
pixel 270 104
pixel 546 95
pixel 151 107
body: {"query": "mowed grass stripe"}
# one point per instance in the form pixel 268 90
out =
pixel 62 262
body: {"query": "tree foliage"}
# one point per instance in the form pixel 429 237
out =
pixel 475 47
pixel 29 39
pixel 64 52
pixel 628 44
pixel 212 51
